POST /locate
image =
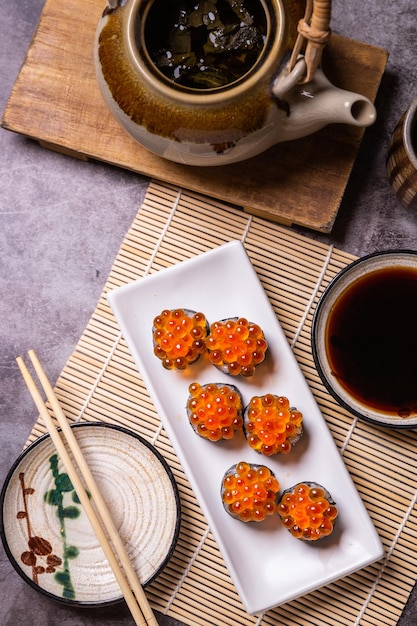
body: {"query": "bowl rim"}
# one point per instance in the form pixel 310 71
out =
pixel 410 122
pixel 84 603
pixel 371 416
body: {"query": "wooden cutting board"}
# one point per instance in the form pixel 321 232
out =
pixel 56 101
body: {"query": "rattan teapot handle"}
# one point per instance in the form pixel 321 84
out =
pixel 313 33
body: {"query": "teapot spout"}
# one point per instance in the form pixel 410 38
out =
pixel 344 107
pixel 361 111
pixel 311 106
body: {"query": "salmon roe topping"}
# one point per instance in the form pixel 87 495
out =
pixel 271 425
pixel 236 346
pixel 179 337
pixel 249 492
pixel 215 410
pixel 308 512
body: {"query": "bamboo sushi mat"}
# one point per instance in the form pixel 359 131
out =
pixel 100 382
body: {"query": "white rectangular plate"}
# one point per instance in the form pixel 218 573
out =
pixel 268 566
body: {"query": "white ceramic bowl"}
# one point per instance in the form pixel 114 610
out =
pixel 379 390
pixel 47 535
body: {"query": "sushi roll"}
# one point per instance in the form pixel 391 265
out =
pixel 249 492
pixel 308 511
pixel 179 337
pixel 271 426
pixel 215 410
pixel 236 346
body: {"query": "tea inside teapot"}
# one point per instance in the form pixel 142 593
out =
pixel 206 44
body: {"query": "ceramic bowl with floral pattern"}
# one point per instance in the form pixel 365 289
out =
pixel 47 535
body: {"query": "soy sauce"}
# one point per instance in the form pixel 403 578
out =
pixel 371 340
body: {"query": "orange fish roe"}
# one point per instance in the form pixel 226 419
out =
pixel 236 346
pixel 249 492
pixel 215 410
pixel 308 511
pixel 271 425
pixel 179 337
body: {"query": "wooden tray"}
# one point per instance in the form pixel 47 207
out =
pixel 56 101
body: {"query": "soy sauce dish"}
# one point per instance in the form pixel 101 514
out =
pixel 47 535
pixel 364 338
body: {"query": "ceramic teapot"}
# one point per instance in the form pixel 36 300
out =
pixel 212 82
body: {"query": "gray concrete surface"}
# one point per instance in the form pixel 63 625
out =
pixel 62 221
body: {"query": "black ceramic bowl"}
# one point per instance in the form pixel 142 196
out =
pixel 364 338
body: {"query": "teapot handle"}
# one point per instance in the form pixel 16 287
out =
pixel 315 30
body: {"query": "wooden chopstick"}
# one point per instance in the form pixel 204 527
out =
pixel 128 581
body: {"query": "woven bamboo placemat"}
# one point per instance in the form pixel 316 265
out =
pixel 100 382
